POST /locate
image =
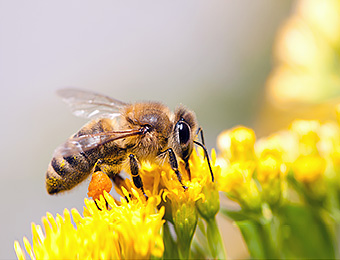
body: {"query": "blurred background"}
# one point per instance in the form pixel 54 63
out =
pixel 229 61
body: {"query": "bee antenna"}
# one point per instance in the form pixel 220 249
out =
pixel 208 160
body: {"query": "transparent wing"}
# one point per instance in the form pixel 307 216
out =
pixel 83 143
pixel 90 104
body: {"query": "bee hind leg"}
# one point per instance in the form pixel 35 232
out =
pixel 111 168
pixel 135 174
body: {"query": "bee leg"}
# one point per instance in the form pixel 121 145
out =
pixel 208 160
pixel 174 166
pixel 200 131
pixel 187 168
pixel 111 169
pixel 119 182
pixel 95 202
pixel 135 174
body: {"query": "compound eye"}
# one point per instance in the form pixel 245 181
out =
pixel 183 132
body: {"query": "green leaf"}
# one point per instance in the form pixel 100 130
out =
pixel 235 215
pixel 305 234
pixel 258 238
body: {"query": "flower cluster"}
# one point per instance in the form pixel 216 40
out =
pixel 287 184
pixel 291 174
pixel 259 172
pixel 108 230
pixel 135 227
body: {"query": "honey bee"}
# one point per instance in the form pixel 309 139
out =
pixel 121 133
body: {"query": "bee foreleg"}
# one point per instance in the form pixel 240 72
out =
pixel 135 174
pixel 188 168
pixel 174 166
pixel 206 155
pixel 200 131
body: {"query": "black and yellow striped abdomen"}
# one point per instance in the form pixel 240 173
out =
pixel 65 172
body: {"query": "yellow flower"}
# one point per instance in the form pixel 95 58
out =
pixel 272 153
pixel 138 224
pixel 270 173
pixel 238 165
pixel 282 145
pixel 237 182
pixel 307 132
pixel 128 231
pixel 183 205
pixel 161 182
pixel 92 240
pixel 237 144
pixel 309 168
pixel 184 214
pixel 182 202
pixel 235 175
pixel 268 169
pixel 200 178
pixel 317 144
pixel 151 176
pixel 310 171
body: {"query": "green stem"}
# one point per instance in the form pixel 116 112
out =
pixel 183 251
pixel 170 246
pixel 215 240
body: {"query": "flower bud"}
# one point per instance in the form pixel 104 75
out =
pixel 309 168
pixel 185 219
pixel 237 144
pixel 269 175
pixel 209 207
pixel 307 132
pixel 237 182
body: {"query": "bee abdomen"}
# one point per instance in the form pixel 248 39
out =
pixel 64 173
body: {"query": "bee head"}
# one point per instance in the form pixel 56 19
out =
pixel 184 132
